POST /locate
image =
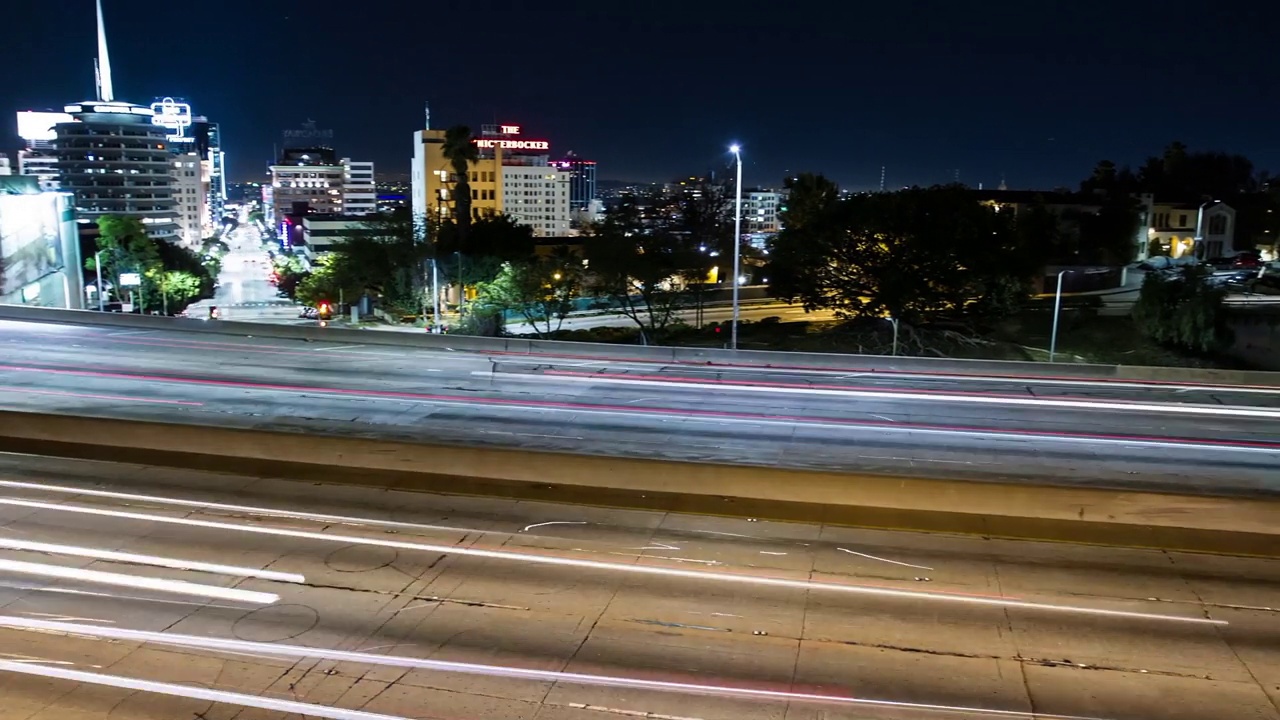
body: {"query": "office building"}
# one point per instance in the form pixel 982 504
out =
pixel 190 193
pixel 193 134
pixel 582 181
pixel 761 211
pixel 36 158
pixel 113 158
pixel 359 191
pixel 304 179
pixel 513 176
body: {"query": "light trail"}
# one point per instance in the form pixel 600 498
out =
pixel 936 396
pixel 193 693
pixel 173 563
pixel 609 567
pixel 98 577
pixel 542 676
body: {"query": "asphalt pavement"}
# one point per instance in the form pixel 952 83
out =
pixel 1198 439
pixel 132 592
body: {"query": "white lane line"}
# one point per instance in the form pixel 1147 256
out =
pixel 543 676
pixel 131 332
pixel 1180 409
pixel 69 618
pixel 527 528
pixel 885 560
pixel 338 347
pixel 246 509
pixel 532 559
pixel 174 563
pixel 98 577
pixel 194 693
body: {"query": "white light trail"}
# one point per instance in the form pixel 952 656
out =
pixel 544 676
pixel 246 509
pixel 1179 409
pixel 173 563
pixel 606 566
pixel 194 693
pixel 97 577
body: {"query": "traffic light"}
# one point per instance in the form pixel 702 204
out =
pixel 326 311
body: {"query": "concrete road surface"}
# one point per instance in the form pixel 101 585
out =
pixel 424 606
pixel 1199 439
pixel 245 291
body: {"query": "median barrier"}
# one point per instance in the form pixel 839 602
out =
pixel 651 353
pixel 1097 516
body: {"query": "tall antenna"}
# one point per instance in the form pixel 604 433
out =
pixel 106 93
pixel 426 106
pixel 881 178
pixel 957 176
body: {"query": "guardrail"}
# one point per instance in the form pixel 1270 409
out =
pixel 1096 516
pixel 651 353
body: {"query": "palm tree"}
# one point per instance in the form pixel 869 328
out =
pixel 461 152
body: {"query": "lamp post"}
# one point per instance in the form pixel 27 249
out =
pixel 97 266
pixel 462 289
pixel 1198 244
pixel 737 246
pixel 1057 307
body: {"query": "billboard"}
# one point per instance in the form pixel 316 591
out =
pixel 36 126
pixel 32 229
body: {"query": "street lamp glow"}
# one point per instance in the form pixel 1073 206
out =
pixel 735 148
pixel 737 246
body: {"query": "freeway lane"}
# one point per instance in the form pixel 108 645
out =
pixel 641 612
pixel 1128 434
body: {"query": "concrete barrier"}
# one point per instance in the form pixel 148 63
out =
pixel 662 354
pixel 1134 519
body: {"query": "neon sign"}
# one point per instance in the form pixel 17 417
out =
pixel 509 129
pixel 172 115
pixel 486 143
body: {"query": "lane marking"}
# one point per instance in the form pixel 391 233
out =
pixel 98 577
pixel 173 563
pixel 936 396
pixel 191 692
pixel 725 577
pixel 338 347
pixel 527 528
pixel 885 560
pixel 95 396
pixel 542 676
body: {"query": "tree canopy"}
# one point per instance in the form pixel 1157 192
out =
pixel 172 276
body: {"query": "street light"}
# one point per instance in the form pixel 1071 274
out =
pixel 737 246
pixel 1198 243
pixel 1057 307
pixel 462 289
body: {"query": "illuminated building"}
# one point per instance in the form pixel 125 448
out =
pixel 582 181
pixel 36 158
pixel 513 175
pixel 190 192
pixel 191 134
pixel 114 159
pixel 359 192
pixel 305 178
pixel 40 260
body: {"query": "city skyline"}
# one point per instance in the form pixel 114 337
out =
pixel 929 93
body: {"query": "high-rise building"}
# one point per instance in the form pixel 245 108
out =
pixel 36 158
pixel 309 178
pixel 208 137
pixel 359 191
pixel 40 261
pixel 582 181
pixel 188 134
pixel 114 159
pixel 512 176
pixel 190 192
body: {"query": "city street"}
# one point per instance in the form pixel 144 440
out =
pixel 123 583
pixel 244 290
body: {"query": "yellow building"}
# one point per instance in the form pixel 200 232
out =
pixel 433 179
pixel 512 176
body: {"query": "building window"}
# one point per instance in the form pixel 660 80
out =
pixel 1182 220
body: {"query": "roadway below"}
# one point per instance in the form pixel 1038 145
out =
pixel 1203 439
pixel 129 591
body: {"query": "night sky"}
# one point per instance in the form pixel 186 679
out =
pixel 1036 90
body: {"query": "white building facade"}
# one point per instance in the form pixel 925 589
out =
pixel 537 195
pixel 359 191
pixel 190 191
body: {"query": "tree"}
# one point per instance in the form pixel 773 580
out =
pixel 123 247
pixel 1183 311
pixel 917 255
pixel 461 151
pixel 541 290
pixel 808 221
pixel 645 268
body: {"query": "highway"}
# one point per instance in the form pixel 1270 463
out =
pixel 1204 439
pixel 131 592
